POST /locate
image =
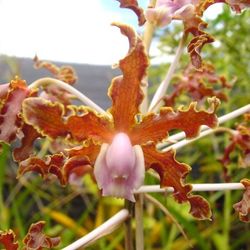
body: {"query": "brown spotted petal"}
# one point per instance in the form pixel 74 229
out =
pixel 53 164
pixel 26 149
pixel 8 239
pixel 64 73
pixel 10 109
pixel 37 240
pixel 243 207
pixel 199 84
pixel 49 119
pixel 133 5
pixel 45 117
pixel 155 127
pixel 77 161
pixel 172 174
pixel 195 46
pixel 90 125
pixel 239 140
pixel 125 91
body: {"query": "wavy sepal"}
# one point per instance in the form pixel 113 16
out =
pixel 11 104
pixel 133 5
pixel 155 127
pixel 37 240
pixel 243 206
pixel 172 174
pixel 8 239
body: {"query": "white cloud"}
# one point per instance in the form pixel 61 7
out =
pixel 72 31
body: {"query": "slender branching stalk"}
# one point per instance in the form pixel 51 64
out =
pixel 139 234
pixel 106 228
pixel 147 40
pixel 47 81
pixel 160 92
pixel 168 214
pixel 128 226
pixel 204 133
pixel 196 188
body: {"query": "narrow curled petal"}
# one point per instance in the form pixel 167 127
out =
pixel 155 127
pixel 195 46
pixel 75 161
pixel 125 91
pixel 26 149
pixel 199 84
pixel 119 168
pixel 172 174
pixel 243 207
pixel 133 5
pixel 36 239
pixel 10 108
pixel 240 140
pixel 8 239
pixel 65 73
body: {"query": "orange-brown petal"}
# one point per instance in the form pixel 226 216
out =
pixel 26 149
pixel 125 91
pixel 195 46
pixel 155 127
pixel 90 125
pixel 8 239
pixel 49 119
pixel 133 5
pixel 172 174
pixel 77 160
pixel 10 109
pixel 37 239
pixel 45 116
pixel 243 206
pixel 195 26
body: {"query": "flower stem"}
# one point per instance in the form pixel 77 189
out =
pixel 196 187
pixel 156 100
pixel 47 81
pixel 185 142
pixel 139 222
pixel 128 226
pixel 147 39
pixel 168 214
pixel 104 229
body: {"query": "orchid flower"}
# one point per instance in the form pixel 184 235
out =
pixel 190 12
pixel 120 144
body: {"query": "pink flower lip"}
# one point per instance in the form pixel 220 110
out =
pixel 119 168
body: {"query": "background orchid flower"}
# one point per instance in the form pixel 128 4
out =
pixel 120 144
pixel 167 10
pixel 190 12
